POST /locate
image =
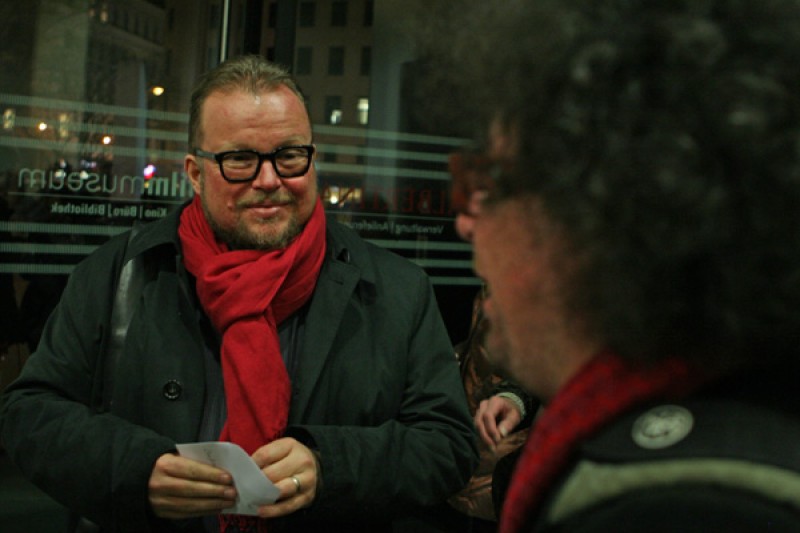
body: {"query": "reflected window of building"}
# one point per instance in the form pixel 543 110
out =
pixel 272 17
pixel 302 64
pixel 369 12
pixel 9 118
pixel 307 14
pixel 336 60
pixel 363 111
pixel 87 148
pixel 366 61
pixel 333 109
pixel 63 125
pixel 339 14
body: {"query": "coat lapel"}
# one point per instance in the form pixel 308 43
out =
pixel 333 293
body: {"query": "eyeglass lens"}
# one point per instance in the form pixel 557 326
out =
pixel 287 162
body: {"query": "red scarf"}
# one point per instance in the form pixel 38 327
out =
pixel 601 391
pixel 246 294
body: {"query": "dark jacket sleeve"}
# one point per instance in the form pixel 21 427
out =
pixel 96 464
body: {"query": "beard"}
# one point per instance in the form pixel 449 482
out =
pixel 243 237
pixel 498 349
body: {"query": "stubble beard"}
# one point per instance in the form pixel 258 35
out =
pixel 242 237
pixel 498 348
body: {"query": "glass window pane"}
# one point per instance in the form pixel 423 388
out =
pixel 94 97
pixel 333 109
pixel 369 12
pixel 307 14
pixel 339 13
pixel 366 61
pixel 336 60
pixel 303 63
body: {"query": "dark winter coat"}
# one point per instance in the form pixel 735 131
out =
pixel 376 389
pixel 725 459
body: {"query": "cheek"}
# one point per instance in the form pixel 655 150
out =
pixel 512 296
pixel 305 192
pixel 220 200
pixel 298 188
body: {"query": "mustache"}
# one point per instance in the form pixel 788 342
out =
pixel 260 197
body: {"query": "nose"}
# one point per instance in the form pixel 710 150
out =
pixel 266 178
pixel 464 226
pixel 465 220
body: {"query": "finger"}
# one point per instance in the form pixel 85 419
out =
pixel 513 419
pixel 181 467
pixel 273 452
pixel 299 460
pixel 486 438
pixel 490 424
pixel 176 487
pixel 179 508
pixel 176 497
pixel 503 429
pixel 482 431
pixel 180 478
pixel 291 504
pixel 291 487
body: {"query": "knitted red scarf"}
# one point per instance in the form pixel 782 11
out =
pixel 246 294
pixel 601 391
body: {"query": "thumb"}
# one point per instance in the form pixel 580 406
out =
pixel 503 428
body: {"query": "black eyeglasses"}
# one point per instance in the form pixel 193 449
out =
pixel 237 166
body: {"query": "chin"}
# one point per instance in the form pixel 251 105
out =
pixel 270 236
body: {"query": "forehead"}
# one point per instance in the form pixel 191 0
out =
pixel 273 106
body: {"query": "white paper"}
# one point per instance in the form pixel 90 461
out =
pixel 253 488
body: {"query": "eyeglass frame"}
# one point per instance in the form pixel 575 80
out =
pixel 262 156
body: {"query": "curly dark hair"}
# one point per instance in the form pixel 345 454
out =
pixel 663 137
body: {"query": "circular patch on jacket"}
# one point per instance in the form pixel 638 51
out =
pixel 662 426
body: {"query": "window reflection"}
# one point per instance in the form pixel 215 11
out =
pixel 94 98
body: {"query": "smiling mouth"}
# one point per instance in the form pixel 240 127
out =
pixel 265 210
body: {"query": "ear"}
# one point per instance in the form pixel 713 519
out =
pixel 194 172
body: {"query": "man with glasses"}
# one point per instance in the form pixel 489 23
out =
pixel 260 322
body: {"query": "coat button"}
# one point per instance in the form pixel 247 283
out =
pixel 172 389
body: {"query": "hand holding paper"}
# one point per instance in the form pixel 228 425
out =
pixel 254 489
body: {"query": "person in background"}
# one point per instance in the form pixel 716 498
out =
pixel 260 322
pixel 637 236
